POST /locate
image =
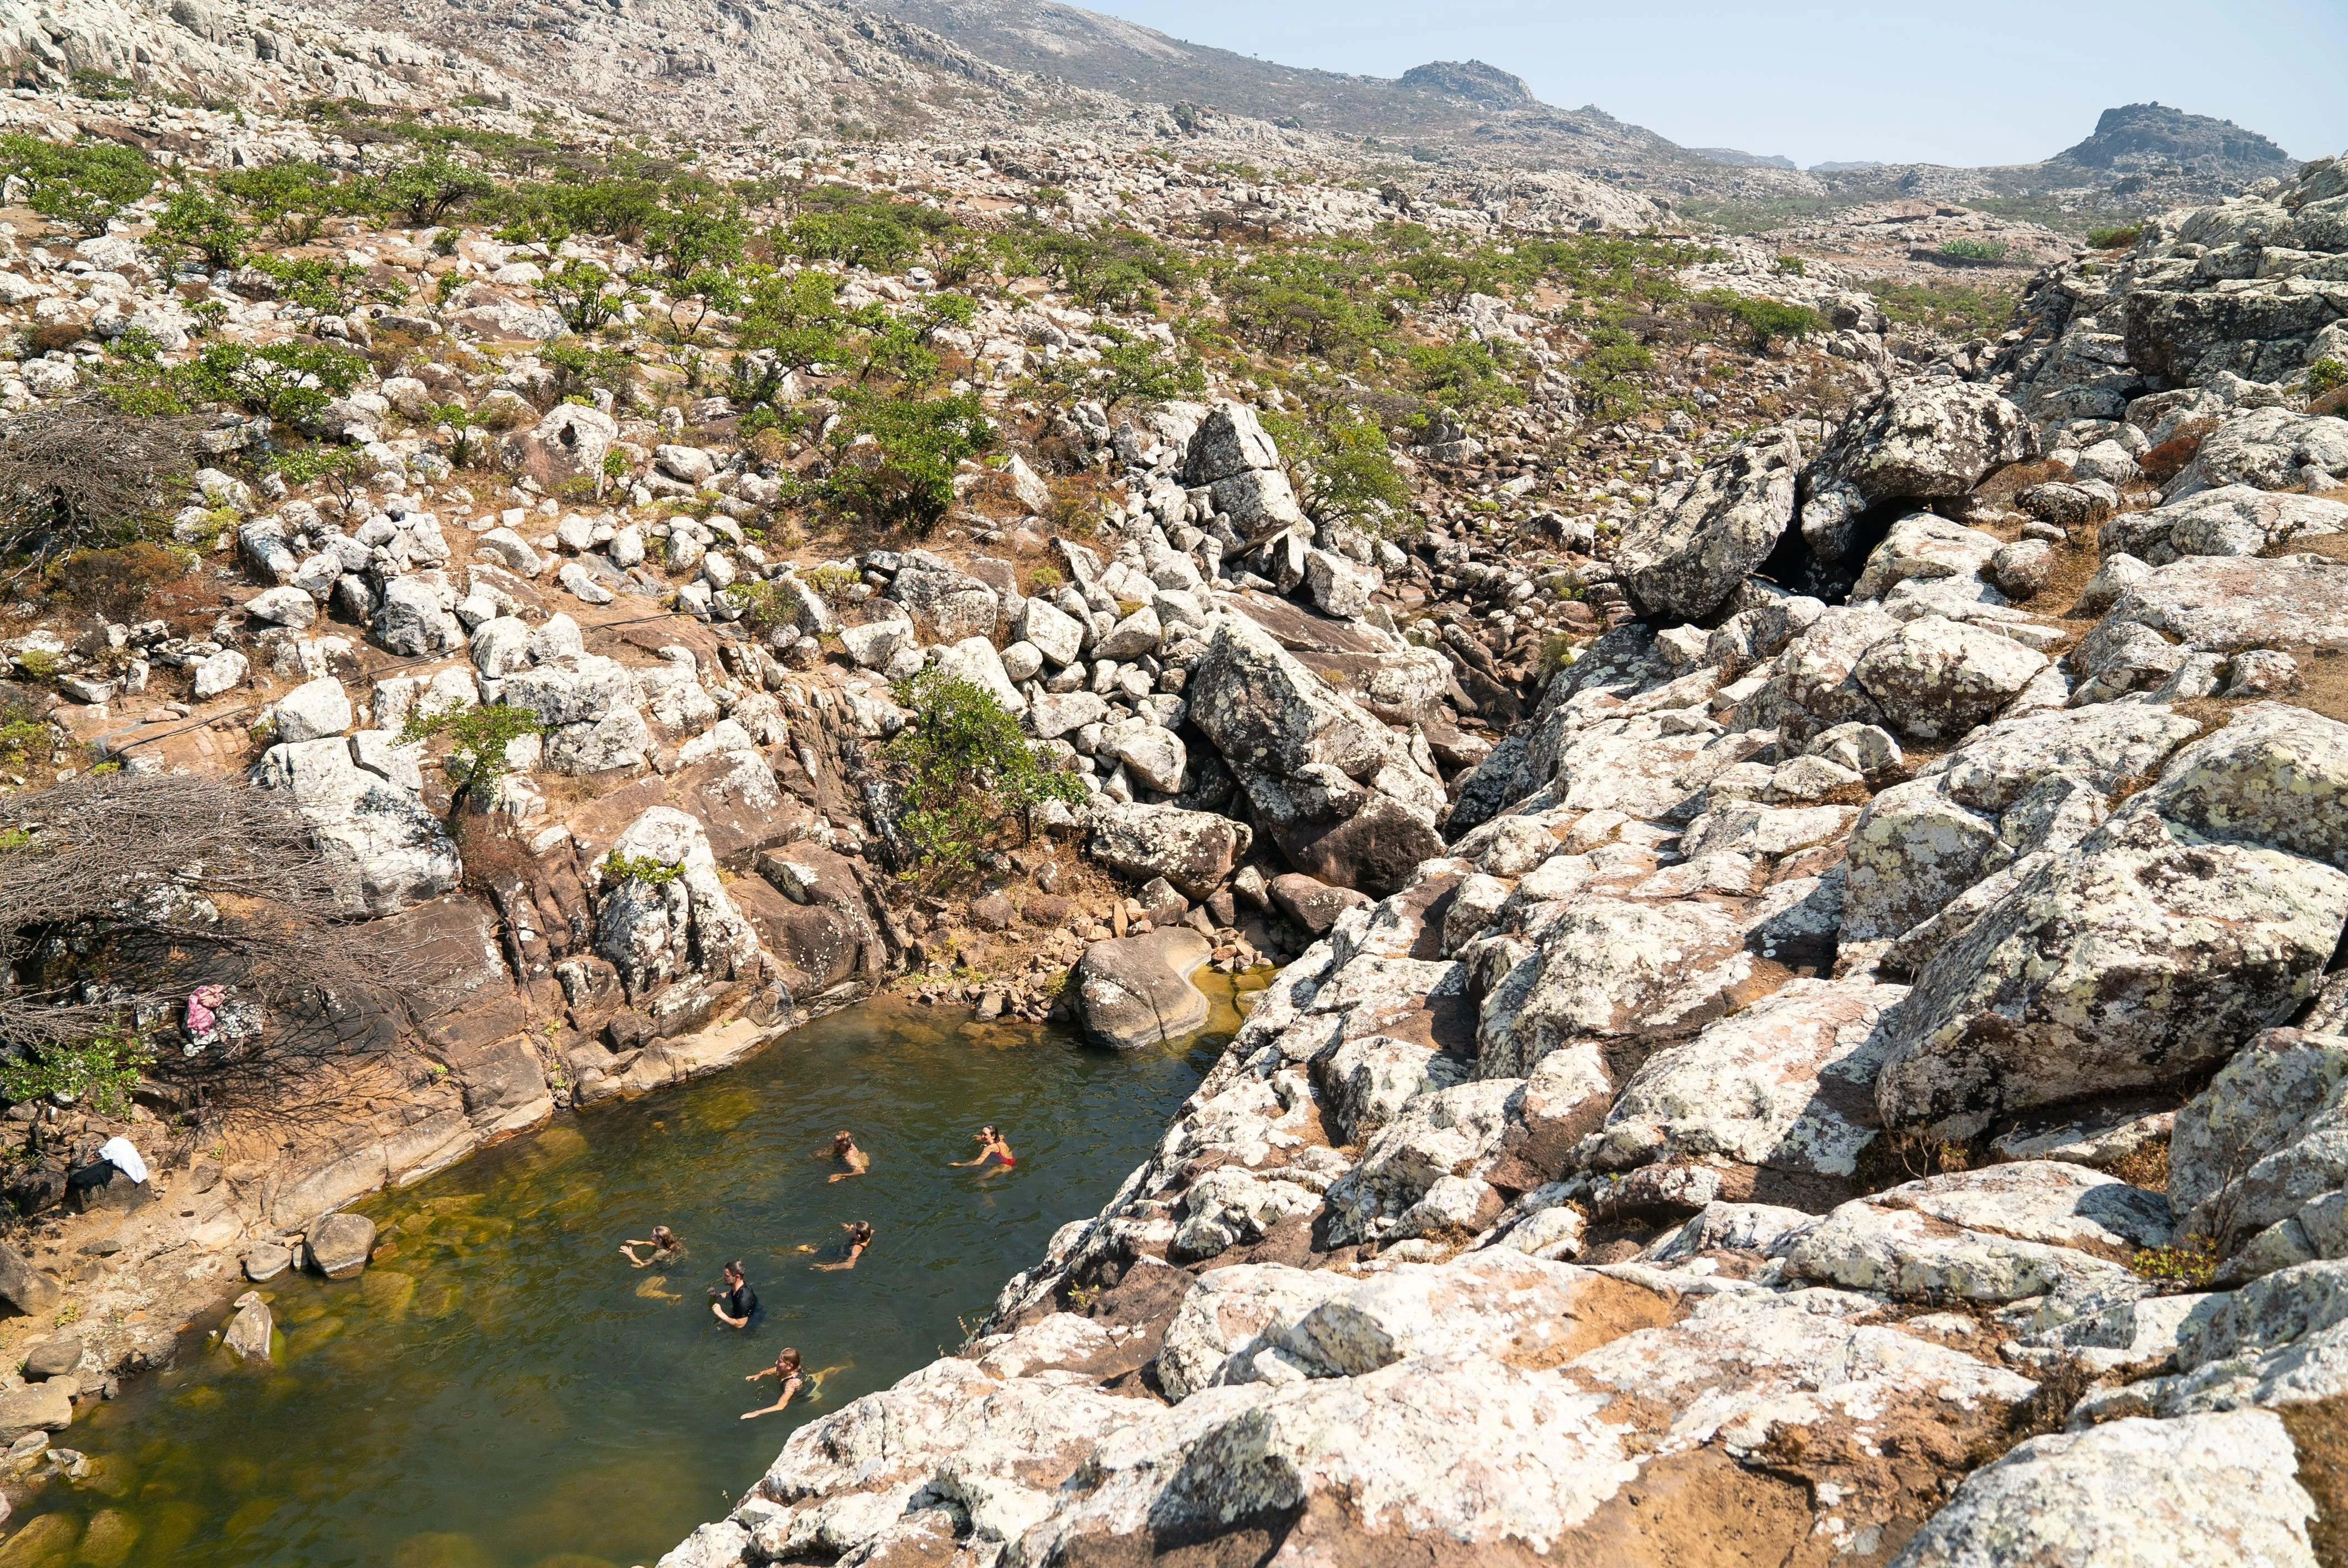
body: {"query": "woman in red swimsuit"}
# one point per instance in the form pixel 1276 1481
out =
pixel 990 1147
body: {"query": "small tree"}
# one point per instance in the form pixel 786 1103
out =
pixel 289 381
pixel 478 739
pixel 962 766
pixel 428 188
pixel 576 290
pixel 82 185
pixel 199 221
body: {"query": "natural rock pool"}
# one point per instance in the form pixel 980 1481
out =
pixel 501 1390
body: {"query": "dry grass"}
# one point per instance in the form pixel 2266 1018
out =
pixel 2319 1431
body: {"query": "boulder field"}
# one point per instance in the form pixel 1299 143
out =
pixel 1855 1076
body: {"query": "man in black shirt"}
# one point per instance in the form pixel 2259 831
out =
pixel 735 1306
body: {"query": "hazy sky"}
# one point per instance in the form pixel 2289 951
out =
pixel 1972 82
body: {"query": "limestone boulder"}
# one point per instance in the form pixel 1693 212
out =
pixel 1340 792
pixel 387 850
pixel 2262 1152
pixel 1936 678
pixel 2206 1489
pixel 670 917
pixel 2230 520
pixel 948 602
pixel 1787 1085
pixel 570 442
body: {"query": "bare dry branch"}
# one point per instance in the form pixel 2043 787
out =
pixel 78 475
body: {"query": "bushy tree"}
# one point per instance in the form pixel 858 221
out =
pixel 963 766
pixel 83 185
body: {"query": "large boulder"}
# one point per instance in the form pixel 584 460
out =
pixel 2267 448
pixel 2229 604
pixel 948 603
pixel 2206 1489
pixel 339 1244
pixel 570 442
pixel 2232 520
pixel 1937 677
pixel 1682 561
pixel 2262 1152
pixel 1341 793
pixel 1136 991
pixel 2140 962
pixel 1918 441
pixel 663 913
pixel 1194 850
pixel 2276 776
pixel 25 1287
pixel 1786 1085
pixel 387 850
pixel 1232 441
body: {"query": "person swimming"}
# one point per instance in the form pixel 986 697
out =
pixel 787 1373
pixel 860 1237
pixel 735 1303
pixel 666 1246
pixel 843 1152
pixel 990 1147
pixel 795 1379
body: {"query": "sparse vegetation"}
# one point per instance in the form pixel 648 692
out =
pixel 963 766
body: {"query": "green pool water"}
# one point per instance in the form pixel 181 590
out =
pixel 502 1390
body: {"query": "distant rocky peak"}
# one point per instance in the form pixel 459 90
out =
pixel 2134 134
pixel 1473 80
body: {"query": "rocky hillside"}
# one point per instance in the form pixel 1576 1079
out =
pixel 1858 1078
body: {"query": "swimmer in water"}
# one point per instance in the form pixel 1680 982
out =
pixel 794 1378
pixel 843 1152
pixel 665 1245
pixel 860 1237
pixel 990 1146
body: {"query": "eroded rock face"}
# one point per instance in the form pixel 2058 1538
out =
pixel 390 851
pixel 1133 992
pixel 672 917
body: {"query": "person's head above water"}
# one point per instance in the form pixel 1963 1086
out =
pixel 857 1231
pixel 734 1270
pixel 843 1141
pixel 786 1360
pixel 987 1135
pixel 663 1237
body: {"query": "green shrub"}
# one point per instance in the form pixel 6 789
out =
pixel 82 185
pixel 1975 249
pixel 576 290
pixel 1764 321
pixel 1793 266
pixel 904 475
pixel 313 284
pixel 962 766
pixel 2115 239
pixel 2326 375
pixel 289 381
pixel 1610 375
pixel 425 190
pixel 1352 476
pixel 699 231
pixel 98 1073
pixel 477 738
pixel 205 225
pixel 2189 1264
pixel 618 868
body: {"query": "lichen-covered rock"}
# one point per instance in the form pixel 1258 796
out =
pixel 1340 791
pixel 2229 604
pixel 387 851
pixel 1608 968
pixel 1681 562
pixel 2196 1492
pixel 2234 520
pixel 2276 776
pixel 1194 850
pixel 2267 448
pixel 1787 1085
pixel 1938 677
pixel 2140 962
pixel 2262 1153
pixel 1447 1133
pixel 1911 851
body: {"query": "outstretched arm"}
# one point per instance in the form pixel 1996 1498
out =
pixel 789 1388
